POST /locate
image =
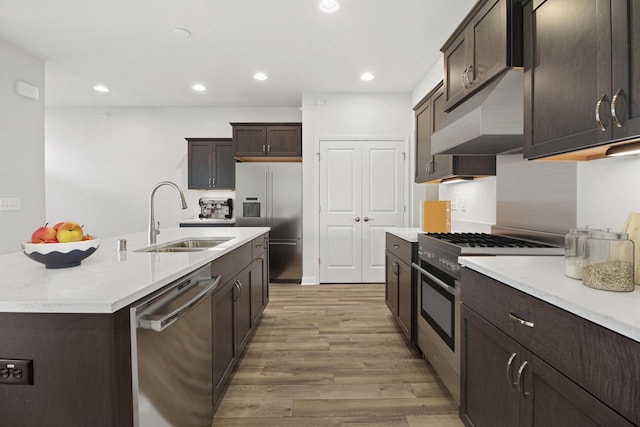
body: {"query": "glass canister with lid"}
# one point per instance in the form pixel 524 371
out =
pixel 609 261
pixel 575 247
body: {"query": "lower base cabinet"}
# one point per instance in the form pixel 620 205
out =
pixel 400 288
pixel 505 384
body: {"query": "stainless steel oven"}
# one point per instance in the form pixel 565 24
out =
pixel 438 302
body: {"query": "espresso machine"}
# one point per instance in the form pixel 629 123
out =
pixel 215 208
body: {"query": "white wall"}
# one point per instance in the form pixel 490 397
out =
pixel 473 204
pixel 102 164
pixel 608 189
pixel 22 147
pixel 342 115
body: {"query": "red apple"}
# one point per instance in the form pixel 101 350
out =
pixel 44 235
pixel 55 227
pixel 69 232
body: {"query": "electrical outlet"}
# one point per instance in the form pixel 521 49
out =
pixel 16 371
pixel 462 204
pixel 9 204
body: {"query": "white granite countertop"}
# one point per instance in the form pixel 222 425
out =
pixel 109 280
pixel 405 233
pixel 543 277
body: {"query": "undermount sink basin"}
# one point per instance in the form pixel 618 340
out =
pixel 188 245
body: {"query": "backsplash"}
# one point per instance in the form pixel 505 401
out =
pixel 604 192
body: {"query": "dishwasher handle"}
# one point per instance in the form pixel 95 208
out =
pixel 158 324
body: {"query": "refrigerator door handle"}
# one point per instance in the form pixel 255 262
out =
pixel 272 243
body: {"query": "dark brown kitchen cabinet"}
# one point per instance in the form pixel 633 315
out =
pixel 581 88
pixel 259 277
pixel 400 287
pixel 211 164
pixel 527 363
pixel 224 349
pixel 430 114
pixel 269 140
pixel 486 43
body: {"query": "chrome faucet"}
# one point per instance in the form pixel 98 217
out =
pixel 154 228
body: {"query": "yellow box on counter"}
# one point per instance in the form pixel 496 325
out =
pixel 436 216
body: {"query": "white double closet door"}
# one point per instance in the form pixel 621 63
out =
pixel 361 194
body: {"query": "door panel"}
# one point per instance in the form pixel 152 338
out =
pixel 340 201
pixel 382 202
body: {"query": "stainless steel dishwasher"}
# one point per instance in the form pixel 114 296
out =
pixel 171 352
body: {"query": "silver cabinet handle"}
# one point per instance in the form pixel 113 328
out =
pixel 509 374
pixel 356 219
pixel 462 78
pixel 520 379
pixel 523 322
pixel 601 125
pixel 396 246
pixel 264 148
pixel 268 148
pixel 470 70
pixel 614 102
pixel 450 289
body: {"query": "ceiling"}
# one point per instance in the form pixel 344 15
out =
pixel 130 47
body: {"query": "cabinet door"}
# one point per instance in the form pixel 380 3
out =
pixel 423 141
pixel 258 288
pixel 548 398
pixel 250 141
pixel 489 43
pixel 489 362
pixel 224 348
pixel 243 308
pixel 625 17
pixel 391 283
pixel 442 163
pixel 405 286
pixel 567 64
pixel 456 64
pixel 284 141
pixel 200 164
pixel 224 170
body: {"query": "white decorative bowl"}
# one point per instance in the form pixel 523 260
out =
pixel 60 255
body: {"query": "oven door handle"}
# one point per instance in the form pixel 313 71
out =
pixel 448 288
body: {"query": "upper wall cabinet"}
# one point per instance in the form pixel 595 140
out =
pixel 267 141
pixel 582 68
pixel 211 164
pixel 487 42
pixel 430 115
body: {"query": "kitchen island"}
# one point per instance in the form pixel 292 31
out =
pixel 74 324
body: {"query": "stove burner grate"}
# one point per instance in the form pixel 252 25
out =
pixel 483 240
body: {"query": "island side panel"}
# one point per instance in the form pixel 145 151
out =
pixel 81 369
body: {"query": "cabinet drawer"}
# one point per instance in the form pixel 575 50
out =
pixel 232 263
pixel 601 361
pixel 259 245
pixel 399 247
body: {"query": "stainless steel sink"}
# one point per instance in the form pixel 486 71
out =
pixel 188 245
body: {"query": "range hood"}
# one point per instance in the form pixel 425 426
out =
pixel 490 122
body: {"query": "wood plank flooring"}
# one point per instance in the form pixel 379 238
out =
pixel 331 355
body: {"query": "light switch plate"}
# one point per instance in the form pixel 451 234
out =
pixel 9 204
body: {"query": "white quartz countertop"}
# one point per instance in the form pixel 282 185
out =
pixel 543 277
pixel 109 280
pixel 406 233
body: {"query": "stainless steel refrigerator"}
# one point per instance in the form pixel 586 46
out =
pixel 270 195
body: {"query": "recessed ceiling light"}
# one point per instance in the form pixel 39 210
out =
pixel 366 77
pixel 182 33
pixel 260 76
pixel 101 88
pixel 198 87
pixel 329 6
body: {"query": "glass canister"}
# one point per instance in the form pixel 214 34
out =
pixel 609 261
pixel 575 252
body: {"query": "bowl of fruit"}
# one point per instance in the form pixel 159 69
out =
pixel 61 246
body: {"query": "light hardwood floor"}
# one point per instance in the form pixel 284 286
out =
pixel 331 355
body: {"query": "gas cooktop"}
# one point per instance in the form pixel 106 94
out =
pixel 486 244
